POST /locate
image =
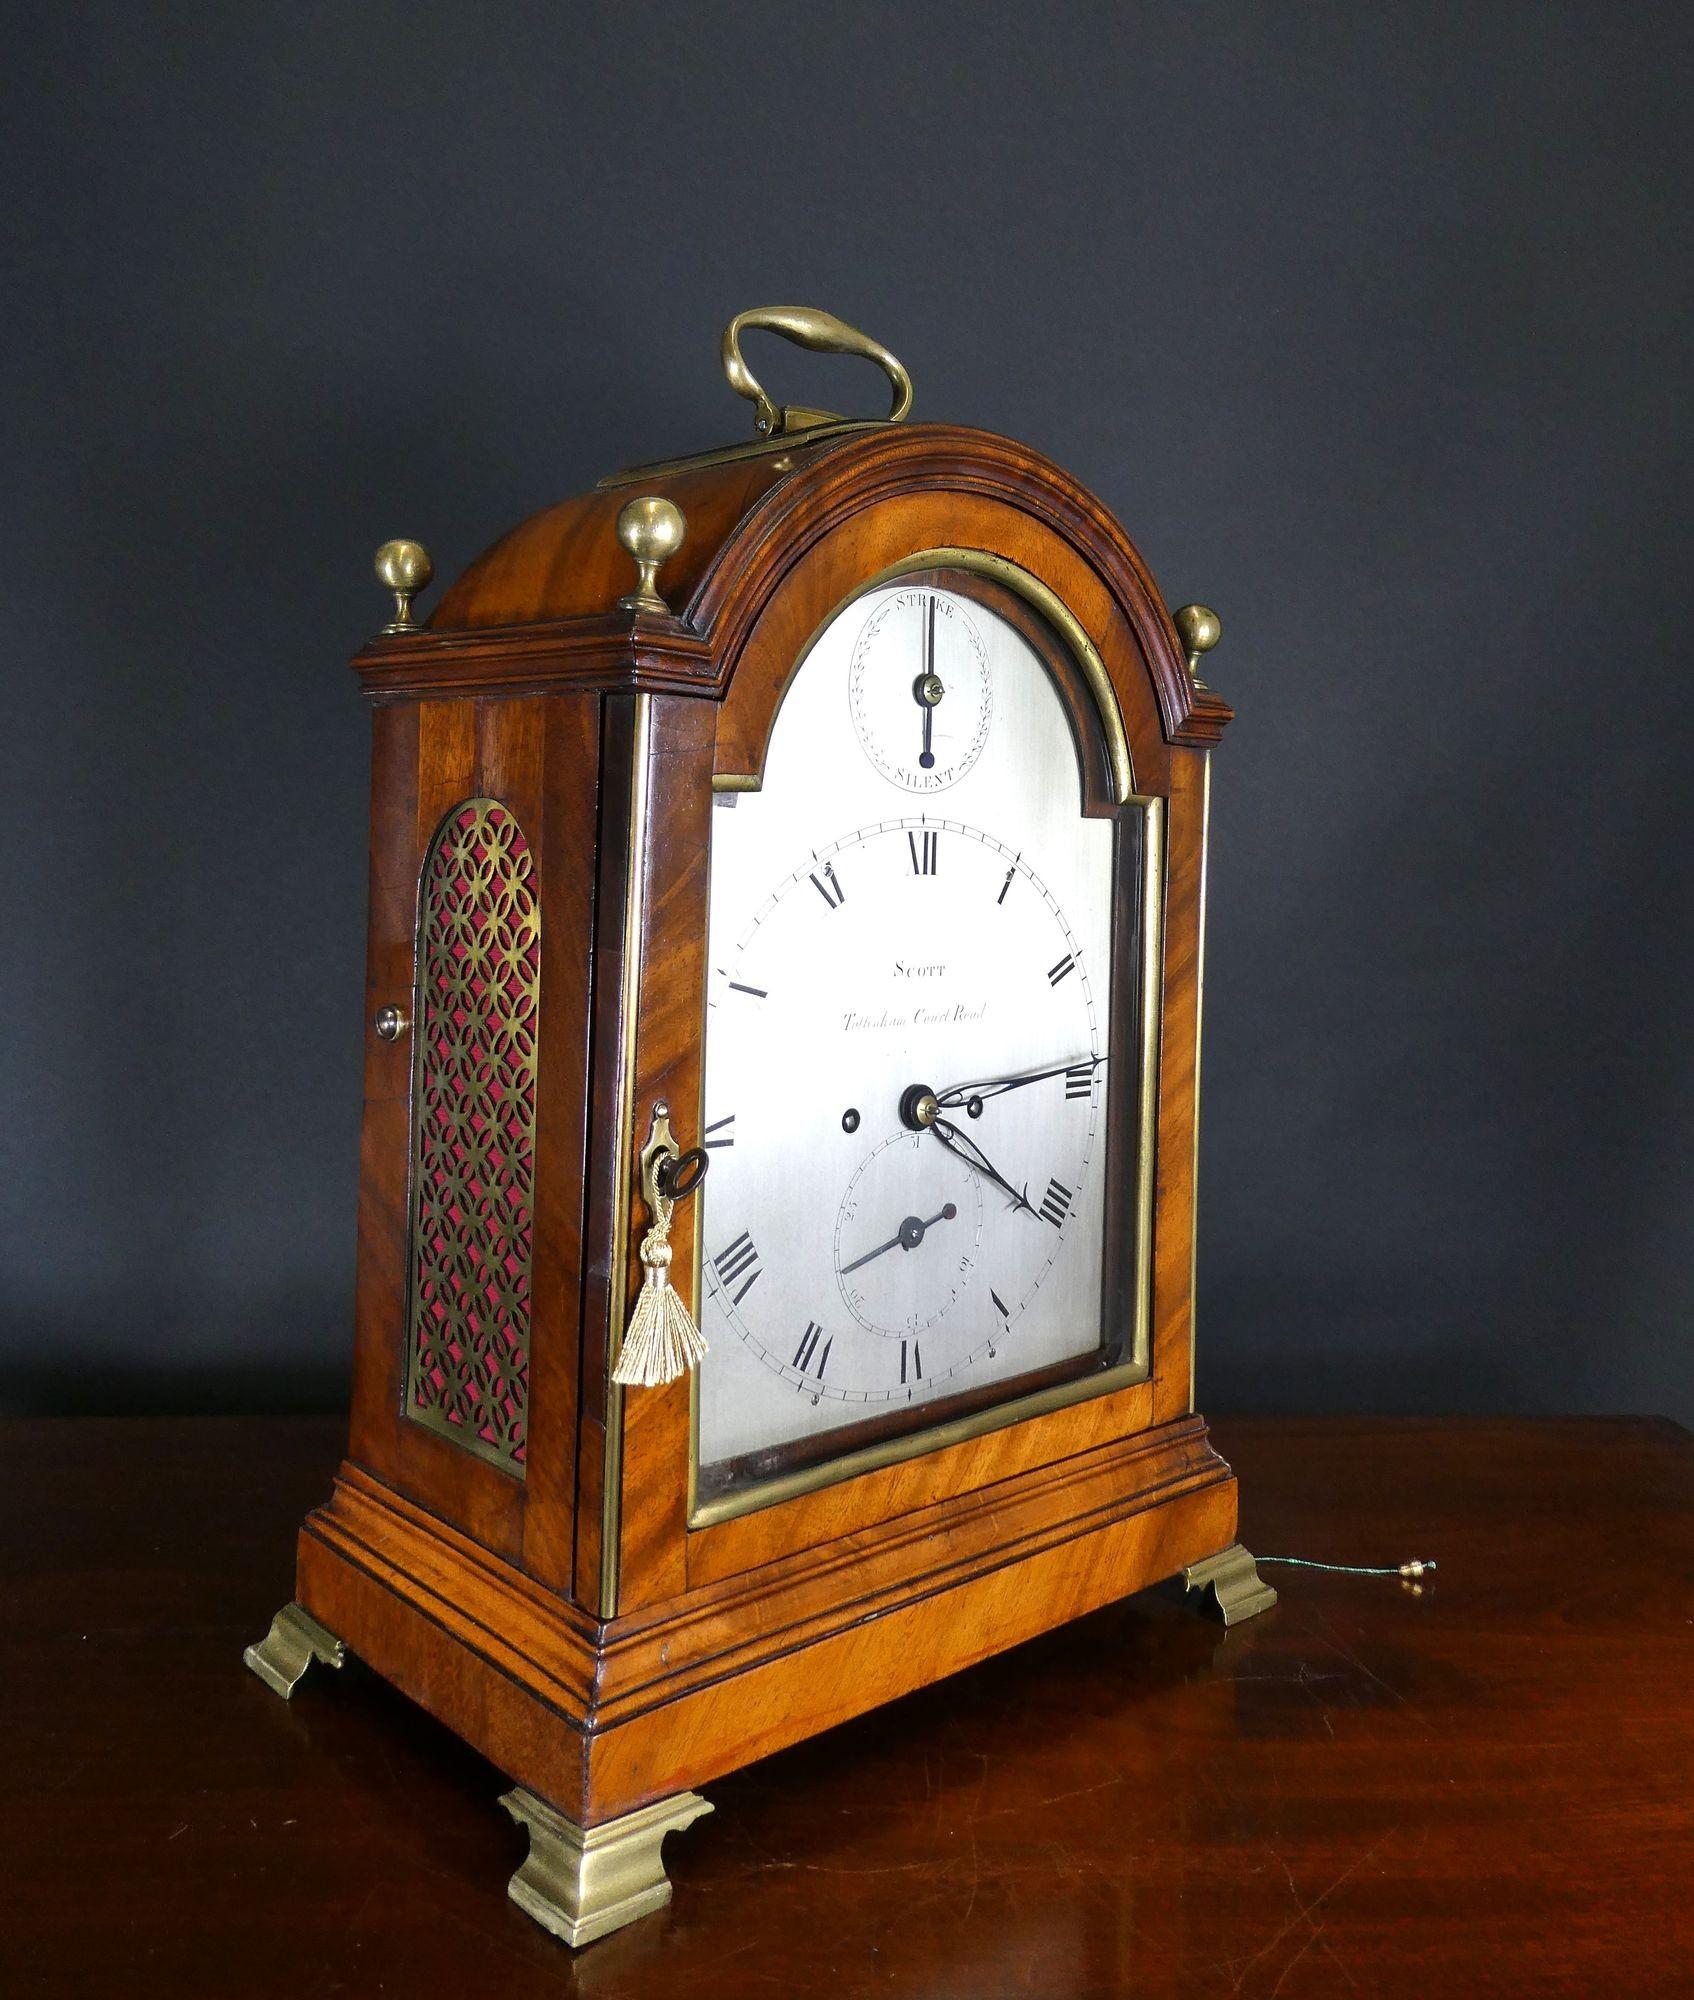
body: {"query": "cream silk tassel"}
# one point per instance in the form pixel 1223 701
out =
pixel 662 1342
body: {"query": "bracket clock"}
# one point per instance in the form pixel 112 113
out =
pixel 776 1225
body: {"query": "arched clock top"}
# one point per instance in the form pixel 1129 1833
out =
pixel 775 538
pixel 870 502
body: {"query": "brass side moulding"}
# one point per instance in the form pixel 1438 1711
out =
pixel 294 1641
pixel 1230 1587
pixel 582 1882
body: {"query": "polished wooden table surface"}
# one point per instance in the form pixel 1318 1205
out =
pixel 1486 1788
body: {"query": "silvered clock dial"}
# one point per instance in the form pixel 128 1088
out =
pixel 909 1043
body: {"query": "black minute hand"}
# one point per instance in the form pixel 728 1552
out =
pixel 997 1086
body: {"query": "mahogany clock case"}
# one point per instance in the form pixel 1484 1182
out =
pixel 562 1610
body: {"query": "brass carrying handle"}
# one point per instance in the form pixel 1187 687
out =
pixel 806 326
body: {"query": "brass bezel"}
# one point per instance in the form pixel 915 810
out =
pixel 1199 1025
pixel 892 1451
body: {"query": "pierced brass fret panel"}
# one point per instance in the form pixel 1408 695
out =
pixel 473 1134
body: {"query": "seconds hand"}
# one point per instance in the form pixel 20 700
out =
pixel 909 1235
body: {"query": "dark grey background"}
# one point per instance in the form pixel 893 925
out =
pixel 1369 322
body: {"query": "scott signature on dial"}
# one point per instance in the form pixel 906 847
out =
pixel 918 1017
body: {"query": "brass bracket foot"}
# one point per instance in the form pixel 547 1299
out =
pixel 294 1641
pixel 1230 1585
pixel 581 1882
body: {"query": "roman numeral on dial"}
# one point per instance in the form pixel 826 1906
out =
pixel 738 1260
pixel 925 850
pixel 1065 966
pixel 1056 1203
pixel 808 1348
pixel 1079 1082
pixel 828 887
pixel 912 1359
pixel 724 1128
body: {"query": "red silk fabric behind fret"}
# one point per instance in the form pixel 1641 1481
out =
pixel 473 1133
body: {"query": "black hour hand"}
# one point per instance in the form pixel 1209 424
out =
pixel 971 1153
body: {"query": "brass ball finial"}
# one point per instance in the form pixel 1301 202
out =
pixel 405 568
pixel 1199 628
pixel 652 530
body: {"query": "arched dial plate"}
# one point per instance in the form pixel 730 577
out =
pixel 908 1044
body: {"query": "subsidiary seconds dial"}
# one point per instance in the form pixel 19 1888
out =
pixel 920 690
pixel 909 1197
